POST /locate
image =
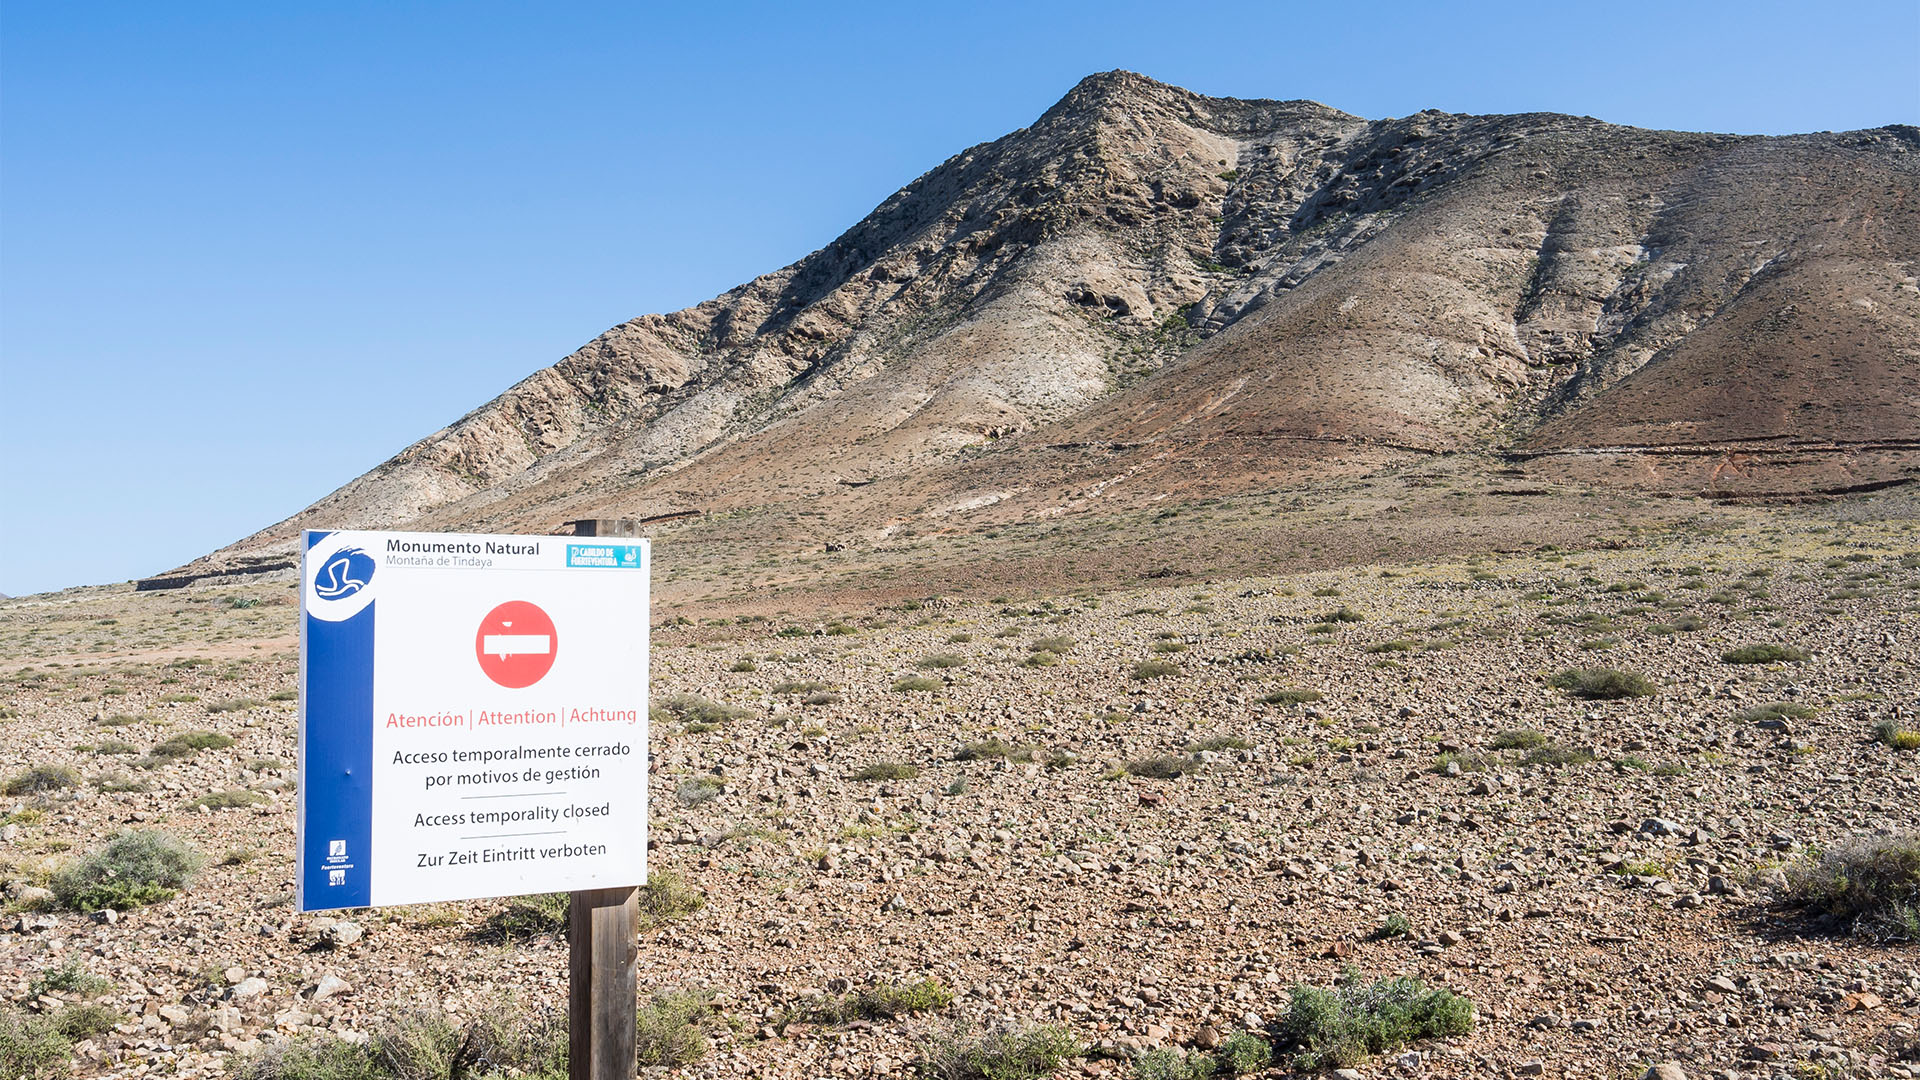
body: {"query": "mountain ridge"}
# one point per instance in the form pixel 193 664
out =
pixel 1273 291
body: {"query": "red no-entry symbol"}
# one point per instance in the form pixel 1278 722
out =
pixel 516 644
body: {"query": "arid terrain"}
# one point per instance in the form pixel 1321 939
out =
pixel 903 762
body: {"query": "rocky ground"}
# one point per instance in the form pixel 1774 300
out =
pixel 1603 914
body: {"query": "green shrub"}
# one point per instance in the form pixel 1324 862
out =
pixel 940 661
pixel 1164 767
pixel 1763 654
pixel 115 747
pixel 1519 739
pixel 1602 684
pixel 134 868
pixel 1871 885
pixel 308 1057
pixel 527 916
pixel 235 705
pixel 1243 1053
pixel 230 799
pixel 988 749
pixel 188 743
pixel 799 687
pixel 1557 755
pixel 1395 925
pixel 693 709
pixel 1154 669
pixel 1021 1054
pixel 1397 645
pixel 1775 710
pixel 670 1029
pixel 1344 1026
pixel 1291 697
pixel 913 683
pixel 284 695
pixel 84 1021
pixel 1219 742
pixel 1167 1063
pixel 666 896
pixel 887 770
pixel 1342 614
pixel 1892 734
pixel 31 1047
pixel 883 1000
pixel 40 779
pixel 71 977
pixel 744 666
pixel 1058 646
pixel 696 790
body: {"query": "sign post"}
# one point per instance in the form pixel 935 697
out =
pixel 473 723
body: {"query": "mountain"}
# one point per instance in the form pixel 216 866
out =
pixel 1153 294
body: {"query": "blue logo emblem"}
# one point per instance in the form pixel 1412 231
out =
pixel 346 573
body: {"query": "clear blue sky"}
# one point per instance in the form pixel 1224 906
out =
pixel 215 217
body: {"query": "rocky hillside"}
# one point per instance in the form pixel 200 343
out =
pixel 1152 293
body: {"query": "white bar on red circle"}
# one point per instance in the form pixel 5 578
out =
pixel 505 645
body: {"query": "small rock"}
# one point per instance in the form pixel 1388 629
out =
pixel 1532 1067
pixel 1665 1071
pixel 341 934
pixel 249 988
pixel 330 985
pixel 234 974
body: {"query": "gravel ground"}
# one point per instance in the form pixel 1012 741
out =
pixel 1603 915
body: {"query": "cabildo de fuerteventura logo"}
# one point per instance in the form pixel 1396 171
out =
pixel 339 578
pixel 344 574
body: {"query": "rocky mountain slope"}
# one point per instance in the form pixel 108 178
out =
pixel 1153 294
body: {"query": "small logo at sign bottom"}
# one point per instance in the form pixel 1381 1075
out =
pixel 336 877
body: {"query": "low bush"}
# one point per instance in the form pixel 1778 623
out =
pixel 697 790
pixel 1775 710
pixel 1602 684
pixel 912 683
pixel 1763 654
pixel 235 705
pixel 1017 1054
pixel 230 799
pixel 666 896
pixel 31 1047
pixel 883 1000
pixel 527 916
pixel 670 1029
pixel 1058 646
pixel 988 749
pixel 1154 669
pixel 1342 614
pixel 1219 742
pixel 941 661
pixel 41 779
pixel 188 743
pixel 1892 734
pixel 693 709
pixel 1557 756
pixel 1343 1026
pixel 1871 886
pixel 1518 739
pixel 1291 697
pixel 497 1040
pixel 805 687
pixel 134 868
pixel 887 770
pixel 1164 767
pixel 71 977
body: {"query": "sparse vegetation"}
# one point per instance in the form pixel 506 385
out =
pixel 1763 654
pixel 671 1029
pixel 1602 684
pixel 1154 669
pixel 666 896
pixel 1869 886
pixel 987 749
pixel 1518 739
pixel 1164 767
pixel 916 683
pixel 942 661
pixel 1892 734
pixel 1344 1026
pixel 1775 710
pixel 41 779
pixel 188 743
pixel 230 799
pixel 693 710
pixel 887 770
pixel 882 1000
pixel 526 916
pixel 1557 756
pixel 1219 742
pixel 134 868
pixel 696 790
pixel 1291 697
pixel 1020 1054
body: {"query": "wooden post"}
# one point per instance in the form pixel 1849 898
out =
pixel 602 986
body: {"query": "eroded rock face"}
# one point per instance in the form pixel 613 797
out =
pixel 1216 280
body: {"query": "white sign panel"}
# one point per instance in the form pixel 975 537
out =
pixel 473 716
